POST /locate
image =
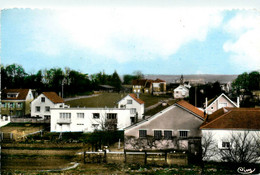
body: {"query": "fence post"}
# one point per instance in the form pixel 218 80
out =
pixel 165 154
pixel 145 157
pixel 105 155
pixel 84 153
pixel 125 156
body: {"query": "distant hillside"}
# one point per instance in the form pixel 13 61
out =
pixel 200 77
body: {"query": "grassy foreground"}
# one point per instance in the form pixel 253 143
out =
pixel 111 99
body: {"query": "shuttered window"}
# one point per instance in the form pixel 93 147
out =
pixel 142 133
pixel 167 134
pixel 157 134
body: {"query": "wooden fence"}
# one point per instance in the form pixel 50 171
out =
pixel 138 157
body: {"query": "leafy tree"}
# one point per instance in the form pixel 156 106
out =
pixel 243 86
pixel 15 73
pixel 138 74
pixel 128 79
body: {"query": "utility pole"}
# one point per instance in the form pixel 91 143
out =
pixel 196 96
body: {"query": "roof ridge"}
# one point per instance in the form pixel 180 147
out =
pixel 216 118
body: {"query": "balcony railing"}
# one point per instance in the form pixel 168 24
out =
pixel 64 121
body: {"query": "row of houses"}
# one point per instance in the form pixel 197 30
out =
pixel 178 127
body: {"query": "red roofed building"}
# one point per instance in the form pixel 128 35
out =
pixel 174 128
pixel 136 106
pixel 157 86
pixel 16 102
pixel 228 123
pixel 41 106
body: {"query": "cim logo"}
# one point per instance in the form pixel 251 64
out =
pixel 243 170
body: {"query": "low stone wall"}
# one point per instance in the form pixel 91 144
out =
pixel 28 120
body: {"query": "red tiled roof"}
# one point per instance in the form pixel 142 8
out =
pixel 53 97
pixel 234 118
pixel 158 80
pixel 22 93
pixel 191 108
pixel 141 82
pixel 136 99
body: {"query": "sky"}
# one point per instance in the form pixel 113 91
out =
pixel 152 39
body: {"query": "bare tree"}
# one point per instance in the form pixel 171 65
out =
pixel 208 146
pixel 243 148
pixel 106 123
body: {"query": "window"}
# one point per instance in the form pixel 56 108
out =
pixel 3 105
pixel 37 108
pixel 65 115
pixel 11 105
pixel 183 134
pixel 212 107
pixel 47 108
pixel 80 124
pixel 132 120
pixel 225 144
pixel 157 134
pixel 47 116
pixel 12 95
pixel 43 99
pixel 112 116
pixel 95 126
pixel 19 105
pixel 129 101
pixel 96 115
pixel 142 133
pixel 221 105
pixel 167 134
pixel 132 110
pixel 80 115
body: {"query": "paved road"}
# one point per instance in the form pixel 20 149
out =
pixel 79 97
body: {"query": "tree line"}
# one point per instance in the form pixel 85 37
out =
pixel 72 81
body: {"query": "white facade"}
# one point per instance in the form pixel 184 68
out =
pixel 40 107
pixel 181 92
pixel 4 120
pixel 87 119
pixel 222 140
pixel 135 107
pixel 220 102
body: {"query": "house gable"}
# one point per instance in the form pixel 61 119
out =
pixel 219 102
pixel 172 118
pixel 52 96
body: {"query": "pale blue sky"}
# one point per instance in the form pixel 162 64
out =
pixel 155 40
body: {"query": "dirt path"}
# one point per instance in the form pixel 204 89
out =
pixel 79 97
pixel 75 164
pixel 157 104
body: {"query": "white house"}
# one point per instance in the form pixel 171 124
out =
pixel 136 106
pixel 40 106
pixel 228 129
pixel 219 102
pixel 181 92
pixel 88 119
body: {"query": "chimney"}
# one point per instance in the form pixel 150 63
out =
pixel 137 95
pixel 238 102
pixel 206 104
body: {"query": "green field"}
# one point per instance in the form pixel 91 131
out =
pixel 111 99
